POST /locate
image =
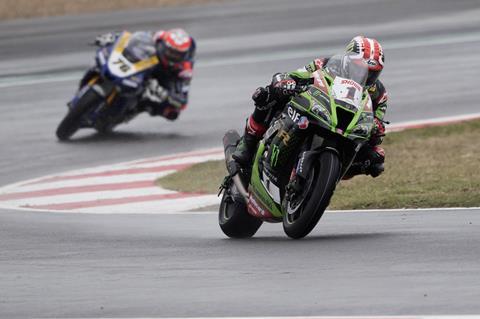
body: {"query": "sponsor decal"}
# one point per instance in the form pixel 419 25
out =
pixel 351 82
pixel 303 123
pixel 270 175
pixel 299 169
pixel 256 208
pixel 274 156
pixel 294 115
pixel 372 62
pixel 284 136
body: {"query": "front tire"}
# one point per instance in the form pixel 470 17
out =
pixel 71 122
pixel 326 173
pixel 234 219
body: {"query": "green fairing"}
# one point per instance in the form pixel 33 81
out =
pixel 304 75
pixel 258 189
pixel 305 103
pixel 300 74
pixel 333 106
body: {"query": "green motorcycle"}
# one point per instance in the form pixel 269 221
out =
pixel 308 147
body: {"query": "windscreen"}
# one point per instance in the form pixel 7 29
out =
pixel 348 67
pixel 140 47
pixel 349 77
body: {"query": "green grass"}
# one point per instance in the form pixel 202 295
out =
pixel 429 167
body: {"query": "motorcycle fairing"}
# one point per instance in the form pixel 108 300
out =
pixel 329 97
pixel 260 202
pixel 120 66
pixel 336 108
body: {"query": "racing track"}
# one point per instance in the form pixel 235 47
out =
pixel 181 265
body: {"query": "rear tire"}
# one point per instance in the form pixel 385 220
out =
pixel 234 219
pixel 71 122
pixel 326 174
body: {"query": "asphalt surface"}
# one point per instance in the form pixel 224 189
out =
pixel 372 263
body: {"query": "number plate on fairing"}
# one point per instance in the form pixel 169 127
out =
pixel 348 91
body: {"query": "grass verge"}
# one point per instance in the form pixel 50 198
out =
pixel 13 9
pixel 429 167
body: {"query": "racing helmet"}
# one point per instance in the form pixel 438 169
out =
pixel 371 51
pixel 173 46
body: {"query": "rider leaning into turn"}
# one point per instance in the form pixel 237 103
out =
pixel 371 157
pixel 166 90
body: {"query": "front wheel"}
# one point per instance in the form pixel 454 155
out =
pixel 234 220
pixel 71 122
pixel 302 214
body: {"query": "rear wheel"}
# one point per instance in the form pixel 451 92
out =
pixel 234 219
pixel 304 210
pixel 71 122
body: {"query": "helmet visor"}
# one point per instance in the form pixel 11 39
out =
pixel 170 54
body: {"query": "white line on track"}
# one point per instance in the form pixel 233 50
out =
pixel 432 122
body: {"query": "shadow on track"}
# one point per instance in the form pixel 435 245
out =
pixel 337 238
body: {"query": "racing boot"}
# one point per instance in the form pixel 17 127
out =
pixel 377 159
pixel 370 161
pixel 247 145
pixel 245 149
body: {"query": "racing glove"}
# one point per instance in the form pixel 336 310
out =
pixel 283 85
pixel 105 39
pixel 262 96
pixel 154 92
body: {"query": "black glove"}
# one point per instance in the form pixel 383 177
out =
pixel 262 96
pixel 283 85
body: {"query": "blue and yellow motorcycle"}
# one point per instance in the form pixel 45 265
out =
pixel 110 95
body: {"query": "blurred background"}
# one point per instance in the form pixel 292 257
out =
pixel 430 48
pixel 431 71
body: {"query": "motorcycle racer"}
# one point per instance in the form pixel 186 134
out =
pixel 167 87
pixel 371 157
